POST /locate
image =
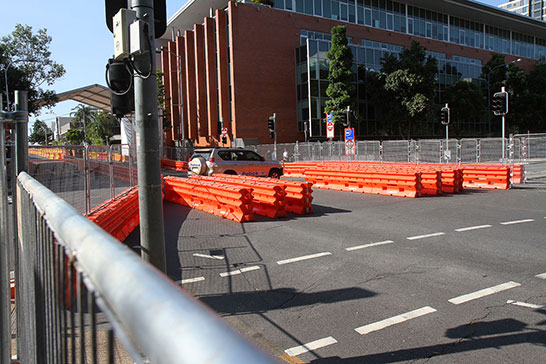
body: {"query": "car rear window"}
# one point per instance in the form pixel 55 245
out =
pixel 204 154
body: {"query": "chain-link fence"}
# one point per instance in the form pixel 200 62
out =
pixel 84 176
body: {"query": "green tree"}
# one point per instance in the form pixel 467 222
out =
pixel 409 80
pixel 27 58
pixel 536 84
pixel 83 116
pixel 102 128
pixel 340 88
pixel 39 130
pixel 465 101
pixel 74 136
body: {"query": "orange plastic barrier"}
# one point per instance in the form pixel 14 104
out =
pixel 269 198
pixel 517 173
pixel 487 177
pixel 392 184
pixel 118 217
pixel 174 165
pixel 228 201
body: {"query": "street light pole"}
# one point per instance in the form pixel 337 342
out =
pixel 489 90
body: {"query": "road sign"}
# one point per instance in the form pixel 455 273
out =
pixel 349 134
pixel 330 125
pixel 350 141
pixel 224 131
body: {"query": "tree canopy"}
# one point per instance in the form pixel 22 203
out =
pixel 27 58
pixel 39 130
pixel 340 88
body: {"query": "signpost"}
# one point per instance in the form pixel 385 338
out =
pixel 350 147
pixel 330 125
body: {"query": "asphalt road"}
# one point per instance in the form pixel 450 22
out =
pixel 376 279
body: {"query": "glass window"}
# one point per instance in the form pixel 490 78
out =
pixel 390 22
pixel 326 9
pixel 368 17
pixel 343 12
pixel 288 4
pixel 299 6
pixel 279 4
pixel 352 15
pixel 360 15
pixel 335 10
pixel 318 8
pixel 309 7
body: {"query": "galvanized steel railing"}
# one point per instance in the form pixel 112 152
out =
pixel 77 286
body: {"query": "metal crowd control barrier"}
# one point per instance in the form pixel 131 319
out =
pixel 73 275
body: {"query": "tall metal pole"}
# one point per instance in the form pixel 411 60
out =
pixel 21 133
pixel 5 321
pixel 503 116
pixel 152 236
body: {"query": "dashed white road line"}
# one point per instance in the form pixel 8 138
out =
pixel 239 271
pixel 298 259
pixel 369 245
pixel 424 236
pixel 484 292
pixel 191 280
pixel 313 345
pixel 218 257
pixel 527 305
pixel 473 228
pixel 363 330
pixel 517 222
pixel 541 276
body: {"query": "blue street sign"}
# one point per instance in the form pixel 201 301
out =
pixel 330 118
pixel 349 134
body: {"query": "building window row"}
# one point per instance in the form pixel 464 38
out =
pixel 402 18
pixel 312 67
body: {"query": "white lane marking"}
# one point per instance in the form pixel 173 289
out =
pixel 483 292
pixel 516 222
pixel 366 329
pixel 292 260
pixel 424 236
pixel 541 276
pixel 239 271
pixel 528 305
pixel 191 280
pixel 369 245
pixel 473 228
pixel 313 345
pixel 218 257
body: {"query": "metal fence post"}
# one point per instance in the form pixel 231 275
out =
pixel 5 294
pixel 381 152
pixel 478 151
pixel 111 173
pixel 459 152
pixel 86 179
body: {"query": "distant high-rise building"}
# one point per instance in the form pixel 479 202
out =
pixel 533 8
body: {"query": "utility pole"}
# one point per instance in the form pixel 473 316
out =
pixel 5 332
pixel 152 234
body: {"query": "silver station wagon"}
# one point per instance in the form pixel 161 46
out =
pixel 207 161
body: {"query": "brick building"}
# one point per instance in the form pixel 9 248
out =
pixel 242 62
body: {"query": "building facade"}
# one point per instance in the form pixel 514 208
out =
pixel 238 63
pixel 533 8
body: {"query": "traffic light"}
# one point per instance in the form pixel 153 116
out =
pixel 271 126
pixel 120 81
pixel 224 139
pixel 444 115
pixel 500 103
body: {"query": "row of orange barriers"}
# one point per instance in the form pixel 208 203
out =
pixel 273 197
pixel 228 201
pixel 180 166
pixel 118 217
pixel 404 179
pixel 63 153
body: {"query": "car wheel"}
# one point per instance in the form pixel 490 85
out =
pixel 198 165
pixel 275 173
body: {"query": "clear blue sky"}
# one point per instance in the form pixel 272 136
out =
pixel 81 42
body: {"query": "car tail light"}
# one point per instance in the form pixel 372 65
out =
pixel 211 160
